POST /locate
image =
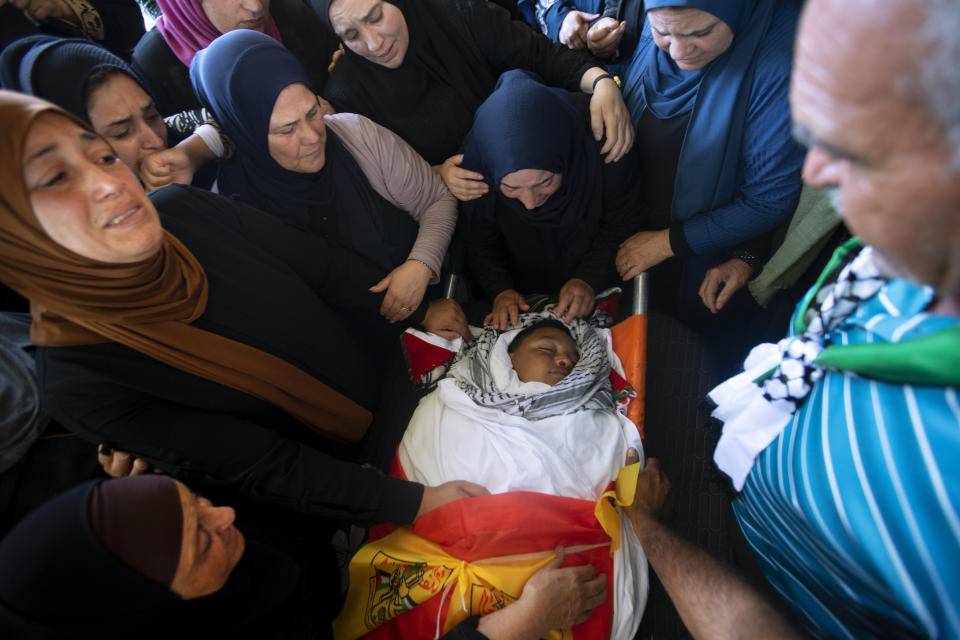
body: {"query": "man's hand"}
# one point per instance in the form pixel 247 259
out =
pixel 464 184
pixel 405 287
pixel 41 10
pixel 506 310
pixel 604 37
pixel 555 597
pixel 722 281
pixel 446 319
pixel 576 300
pixel 711 600
pixel 573 29
pixel 440 495
pixel 120 464
pixel 609 114
pixel 641 251
pixel 650 500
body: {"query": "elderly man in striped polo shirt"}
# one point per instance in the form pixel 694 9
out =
pixel 844 438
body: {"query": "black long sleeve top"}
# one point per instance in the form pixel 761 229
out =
pixel 505 253
pixel 273 287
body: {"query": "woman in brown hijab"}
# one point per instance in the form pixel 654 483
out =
pixel 219 347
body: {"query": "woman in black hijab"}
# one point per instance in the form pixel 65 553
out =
pixel 99 87
pixel 145 557
pixel 341 177
pixel 557 213
pixel 142 556
pixel 421 68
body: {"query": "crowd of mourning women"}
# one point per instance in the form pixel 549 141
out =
pixel 214 234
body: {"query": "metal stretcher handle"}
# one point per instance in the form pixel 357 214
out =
pixel 641 288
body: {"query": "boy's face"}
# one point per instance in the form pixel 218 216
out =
pixel 546 355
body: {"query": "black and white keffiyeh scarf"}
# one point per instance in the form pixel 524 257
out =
pixel 756 405
pixel 478 368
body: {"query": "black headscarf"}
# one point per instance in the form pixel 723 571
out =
pixel 60 579
pixel 58 69
pixel 239 77
pixel 525 124
pixel 429 100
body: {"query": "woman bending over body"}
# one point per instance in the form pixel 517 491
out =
pixel 341 177
pixel 421 68
pixel 219 347
pixel 557 213
pixel 171 564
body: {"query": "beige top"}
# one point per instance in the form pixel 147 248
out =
pixel 400 175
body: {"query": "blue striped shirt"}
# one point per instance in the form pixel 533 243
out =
pixel 854 509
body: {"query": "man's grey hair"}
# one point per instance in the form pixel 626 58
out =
pixel 938 67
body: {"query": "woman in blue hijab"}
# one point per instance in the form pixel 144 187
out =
pixel 708 91
pixel 555 212
pixel 341 176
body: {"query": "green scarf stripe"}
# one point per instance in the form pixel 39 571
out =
pixel 837 261
pixel 929 360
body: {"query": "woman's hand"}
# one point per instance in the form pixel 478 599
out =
pixel 335 57
pixel 446 319
pixel 326 109
pixel 170 166
pixel 722 281
pixel 120 464
pixel 641 251
pixel 41 10
pixel 175 165
pixel 555 597
pixel 506 310
pixel 576 300
pixel 440 495
pixel 604 37
pixel 405 287
pixel 608 114
pixel 464 184
pixel 573 29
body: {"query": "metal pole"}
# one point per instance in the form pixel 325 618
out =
pixel 450 286
pixel 640 292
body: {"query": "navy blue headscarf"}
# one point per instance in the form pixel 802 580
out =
pixel 57 69
pixel 716 96
pixel 525 124
pixel 239 77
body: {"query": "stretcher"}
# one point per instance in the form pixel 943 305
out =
pixel 473 556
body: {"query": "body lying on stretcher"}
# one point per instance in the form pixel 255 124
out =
pixel 530 414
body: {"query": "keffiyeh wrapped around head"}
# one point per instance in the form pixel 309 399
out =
pixel 485 373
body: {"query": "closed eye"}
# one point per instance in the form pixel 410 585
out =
pixel 54 180
pixel 204 541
